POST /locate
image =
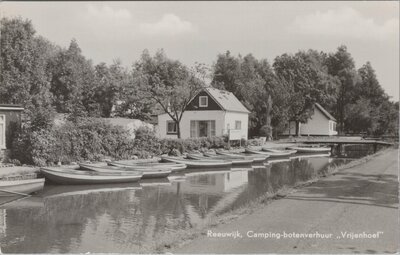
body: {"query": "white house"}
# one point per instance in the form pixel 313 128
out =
pixel 212 112
pixel 320 123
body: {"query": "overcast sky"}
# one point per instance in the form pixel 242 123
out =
pixel 198 31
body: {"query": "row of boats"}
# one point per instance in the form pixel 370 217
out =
pixel 132 170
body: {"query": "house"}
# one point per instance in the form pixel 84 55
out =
pixel 10 122
pixel 321 123
pixel 212 112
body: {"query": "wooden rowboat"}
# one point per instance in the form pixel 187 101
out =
pixel 13 188
pixel 147 172
pixel 72 177
pixel 256 158
pixel 140 166
pixel 278 151
pixel 301 149
pixel 258 152
pixel 198 163
pixel 235 160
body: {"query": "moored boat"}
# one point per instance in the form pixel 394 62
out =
pixel 14 188
pixel 147 172
pixel 282 153
pixel 256 158
pixel 72 177
pixel 174 167
pixel 305 149
pixel 198 163
pixel 251 151
pixel 235 160
pixel 277 150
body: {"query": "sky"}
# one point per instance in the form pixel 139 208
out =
pixel 199 31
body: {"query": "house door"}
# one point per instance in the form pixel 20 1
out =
pixel 203 128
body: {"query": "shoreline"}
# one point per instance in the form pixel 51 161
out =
pixel 184 237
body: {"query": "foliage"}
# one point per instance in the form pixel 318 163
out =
pixel 307 81
pixel 168 82
pixel 24 78
pixel 254 83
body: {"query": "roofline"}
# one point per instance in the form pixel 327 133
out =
pixel 324 112
pixel 247 111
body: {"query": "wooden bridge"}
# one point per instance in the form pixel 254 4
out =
pixel 340 142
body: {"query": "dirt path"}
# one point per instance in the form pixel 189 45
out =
pixel 360 200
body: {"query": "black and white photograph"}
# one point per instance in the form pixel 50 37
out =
pixel 199 127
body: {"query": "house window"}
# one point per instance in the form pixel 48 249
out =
pixel 203 101
pixel 334 126
pixel 238 125
pixel 202 128
pixel 2 131
pixel 171 127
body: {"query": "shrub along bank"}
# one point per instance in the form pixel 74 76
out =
pixel 94 139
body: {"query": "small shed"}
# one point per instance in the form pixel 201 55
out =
pixel 10 122
pixel 321 123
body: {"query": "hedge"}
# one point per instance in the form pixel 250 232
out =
pixel 93 139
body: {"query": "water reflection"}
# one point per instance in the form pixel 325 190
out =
pixel 134 219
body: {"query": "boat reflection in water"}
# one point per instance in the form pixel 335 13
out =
pixel 135 219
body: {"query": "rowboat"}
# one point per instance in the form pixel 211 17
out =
pixel 147 172
pixel 278 151
pixel 257 152
pixel 255 158
pixel 71 177
pixel 14 188
pixel 235 160
pixel 302 149
pixel 140 166
pixel 198 163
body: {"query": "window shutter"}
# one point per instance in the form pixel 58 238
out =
pixel 192 128
pixel 212 127
pixel 2 131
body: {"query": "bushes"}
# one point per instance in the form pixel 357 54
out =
pixel 85 139
pixel 93 139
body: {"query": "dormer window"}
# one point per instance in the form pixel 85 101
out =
pixel 203 101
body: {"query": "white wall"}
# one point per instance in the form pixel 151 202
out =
pixel 218 116
pixel 231 117
pixel 318 124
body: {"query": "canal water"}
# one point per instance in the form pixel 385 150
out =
pixel 137 218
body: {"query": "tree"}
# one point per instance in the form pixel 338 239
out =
pixel 168 82
pixel 368 85
pixel 226 73
pixel 110 81
pixel 341 65
pixel 73 82
pixel 306 81
pixel 24 78
pixel 254 83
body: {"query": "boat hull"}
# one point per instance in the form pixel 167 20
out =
pixel 256 159
pixel 311 149
pixel 140 167
pixel 73 177
pixel 199 163
pixel 21 186
pixel 235 160
pixel 148 172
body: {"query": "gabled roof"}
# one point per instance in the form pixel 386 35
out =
pixel 227 100
pixel 324 112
